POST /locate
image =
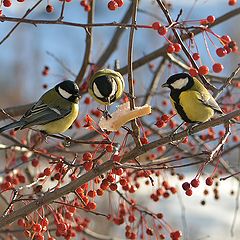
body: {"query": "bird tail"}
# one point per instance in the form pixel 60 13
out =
pixel 11 126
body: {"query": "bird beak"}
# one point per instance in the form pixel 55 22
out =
pixel 165 85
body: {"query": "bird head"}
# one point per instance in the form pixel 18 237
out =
pixel 179 81
pixel 68 90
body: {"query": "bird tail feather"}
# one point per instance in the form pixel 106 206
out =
pixel 11 126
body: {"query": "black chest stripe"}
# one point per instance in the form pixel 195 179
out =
pixel 175 96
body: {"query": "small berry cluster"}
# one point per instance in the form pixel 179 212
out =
pixel 86 5
pixel 162 121
pixel 164 191
pixel 195 183
pixel 115 4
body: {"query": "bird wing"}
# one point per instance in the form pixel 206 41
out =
pixel 41 114
pixel 209 101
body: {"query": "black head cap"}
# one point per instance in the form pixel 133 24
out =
pixel 68 90
pixel 186 81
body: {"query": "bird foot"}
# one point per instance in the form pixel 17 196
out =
pixel 105 113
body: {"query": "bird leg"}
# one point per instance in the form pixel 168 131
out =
pixel 190 128
pixel 105 113
pixel 129 95
pixel 67 140
pixel 175 131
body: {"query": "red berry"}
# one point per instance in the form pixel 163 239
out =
pixel 170 48
pixel 35 162
pixel 196 56
pixel 87 100
pixel 221 52
pixel 235 138
pixel 87 156
pixel 37 227
pixel 156 25
pixel 149 231
pixel 88 165
pixel 120 3
pixel 112 5
pixel 162 30
pixel 113 186
pixel 144 140
pixel 44 222
pixel 109 148
pixel 211 19
pixel 7 3
pixel 209 181
pixel 83 3
pixel 226 39
pixel 20 0
pixel 177 47
pixel 116 158
pixel 49 8
pixel 195 182
pixel 193 72
pixel 217 67
pixel 160 123
pixel 47 171
pixel 176 235
pixel 165 118
pixel 203 70
pixel 87 8
pixel 232 2
pixel 100 192
pixel 186 186
pixel 189 192
pixel 92 205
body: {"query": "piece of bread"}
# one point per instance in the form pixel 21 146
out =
pixel 122 115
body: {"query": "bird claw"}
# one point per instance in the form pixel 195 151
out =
pixel 105 113
pixel 130 95
pixel 190 129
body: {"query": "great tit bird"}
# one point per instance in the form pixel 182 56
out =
pixel 191 99
pixel 106 86
pixel 53 113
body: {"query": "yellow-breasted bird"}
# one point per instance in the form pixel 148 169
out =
pixel 53 113
pixel 191 99
pixel 106 86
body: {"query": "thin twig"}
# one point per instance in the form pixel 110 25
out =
pixel 20 21
pixel 135 127
pixel 88 47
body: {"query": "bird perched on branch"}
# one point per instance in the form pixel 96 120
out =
pixel 53 113
pixel 106 86
pixel 191 99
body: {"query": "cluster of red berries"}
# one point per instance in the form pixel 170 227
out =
pixel 37 229
pixel 10 181
pixel 8 3
pixel 162 121
pixel 86 5
pixel 162 30
pixel 115 4
pixel 195 183
pixel 163 191
pixel 174 48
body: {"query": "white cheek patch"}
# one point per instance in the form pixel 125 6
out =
pixel 180 83
pixel 96 91
pixel 64 93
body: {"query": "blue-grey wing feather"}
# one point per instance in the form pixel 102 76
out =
pixel 41 114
